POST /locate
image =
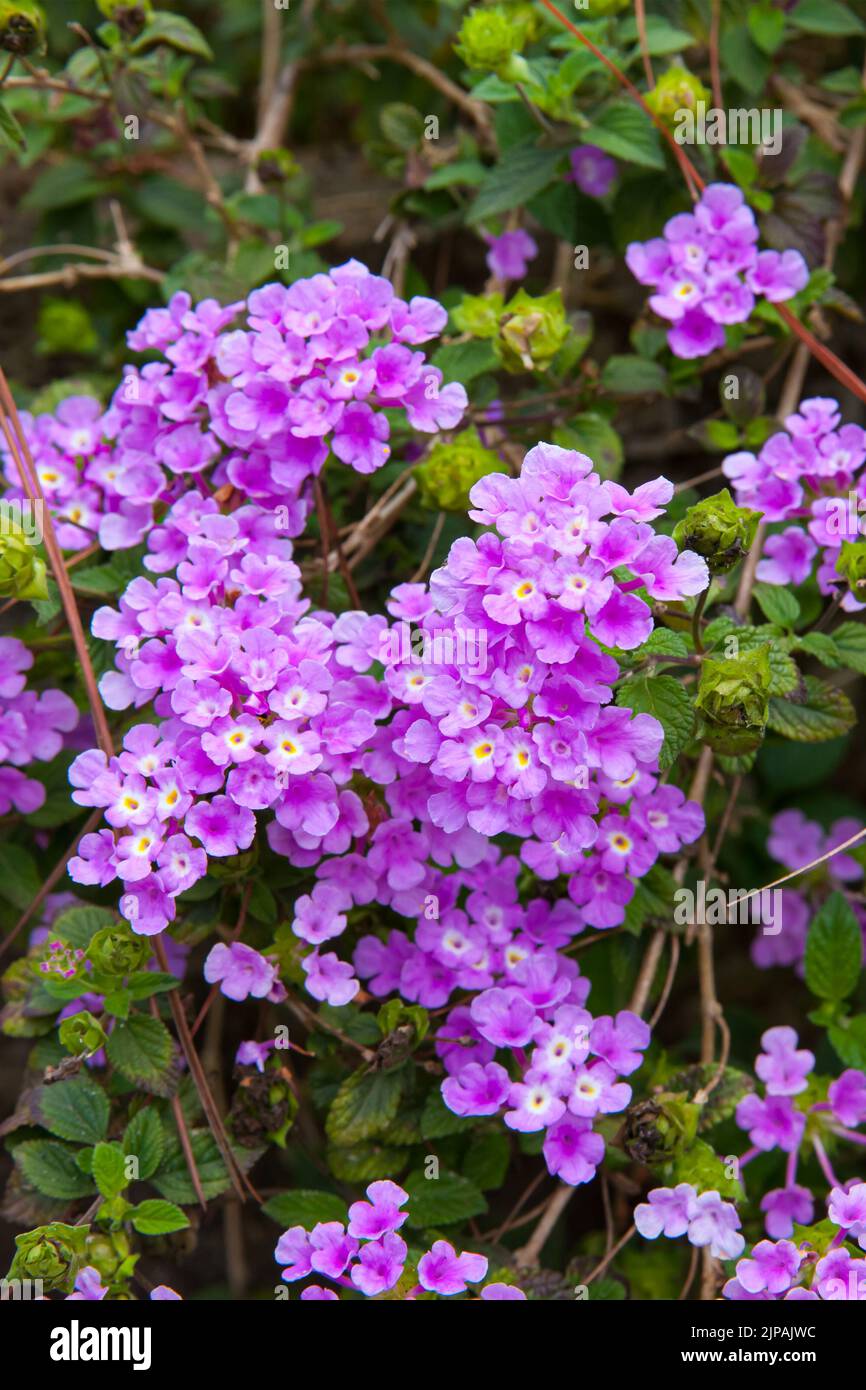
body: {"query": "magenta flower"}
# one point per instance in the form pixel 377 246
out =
pixel 502 1293
pixel 443 1271
pixel 240 971
pixel 330 979
pixel 573 1151
pixel 381 1214
pixel 667 1211
pixel 510 253
pixel 380 1264
pixel 477 1089
pixel 592 170
pixel 772 1267
pixel 503 1017
pixel 782 1068
pixel 332 1248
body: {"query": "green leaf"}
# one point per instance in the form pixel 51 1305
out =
pixel 109 1169
pixel 305 1207
pixel 518 176
pixel 174 30
pixel 777 604
pixel 437 1120
pixel 154 1217
pixel 464 362
pixel 625 131
pixel 363 1163
pixel 826 17
pixel 826 713
pixel 402 125
pixel 834 950
pixel 172 1179
pixel 486 1161
pixel 10 129
pixel 593 435
pixel 705 1170
pixel 63 185
pixel 630 375
pixel 850 642
pixel 442 1201
pixel 667 701
pixel 849 1041
pixel 662 36
pixel 365 1104
pixel 141 1050
pixel 77 1109
pixel 51 1168
pixel 144 1139
pixel 766 25
pixel 78 925
pixel 19 877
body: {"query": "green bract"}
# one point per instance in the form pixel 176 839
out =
pixel 117 951
pixel 734 698
pixel 677 90
pixel 532 329
pixel 82 1034
pixel 452 468
pixel 851 564
pixel 22 27
pixel 489 38
pixel 22 572
pixel 52 1253
pixel 718 530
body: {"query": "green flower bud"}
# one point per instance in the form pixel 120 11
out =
pixel 718 530
pixel 276 166
pixel 851 564
pixel 264 1106
pixel 677 90
pixel 22 27
pixel 656 1130
pixel 22 573
pixel 489 37
pixel 734 698
pixel 451 469
pixel 479 314
pixel 82 1034
pixel 52 1253
pixel 130 17
pixel 531 331
pixel 117 951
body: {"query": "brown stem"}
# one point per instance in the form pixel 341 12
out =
pixel 20 450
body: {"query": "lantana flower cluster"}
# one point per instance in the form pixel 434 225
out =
pixel 266 705
pixel 706 270
pixel 796 1111
pixel 365 1254
pixel 810 474
pixel 31 728
pixel 795 840
pixel 314 370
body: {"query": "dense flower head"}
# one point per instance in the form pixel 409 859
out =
pixel 809 474
pixel 31 728
pixel 251 395
pixel 706 270
pixel 503 725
